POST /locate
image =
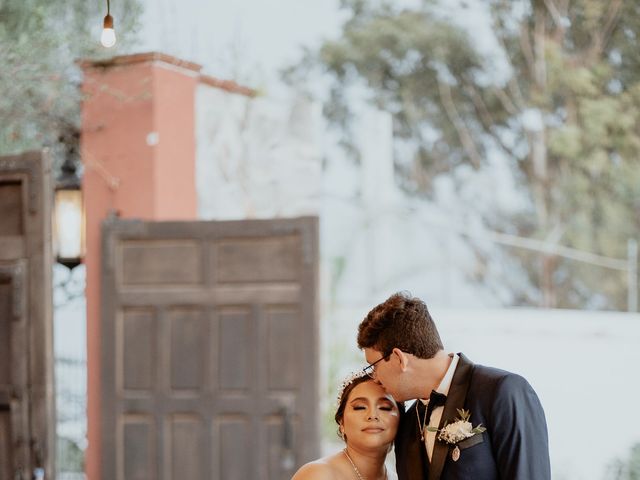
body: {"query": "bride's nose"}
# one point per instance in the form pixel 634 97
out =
pixel 372 416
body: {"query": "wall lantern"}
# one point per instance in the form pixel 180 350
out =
pixel 68 221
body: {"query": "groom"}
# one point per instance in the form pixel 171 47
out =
pixel 507 435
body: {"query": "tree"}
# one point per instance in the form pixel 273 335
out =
pixel 40 42
pixel 627 468
pixel 558 98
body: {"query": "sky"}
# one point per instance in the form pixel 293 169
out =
pixel 243 39
pixel 251 40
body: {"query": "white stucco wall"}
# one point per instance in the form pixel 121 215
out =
pixel 256 158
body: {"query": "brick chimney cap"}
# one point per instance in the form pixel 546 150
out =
pixel 228 85
pixel 150 57
pixel 140 58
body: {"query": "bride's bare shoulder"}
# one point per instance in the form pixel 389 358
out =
pixel 322 469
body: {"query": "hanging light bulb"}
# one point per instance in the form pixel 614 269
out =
pixel 108 37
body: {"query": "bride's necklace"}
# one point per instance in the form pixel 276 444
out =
pixel 355 469
pixel 421 426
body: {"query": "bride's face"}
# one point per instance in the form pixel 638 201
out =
pixel 371 416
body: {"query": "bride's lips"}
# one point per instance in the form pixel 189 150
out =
pixel 373 430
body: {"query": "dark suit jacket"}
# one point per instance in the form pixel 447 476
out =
pixel 514 446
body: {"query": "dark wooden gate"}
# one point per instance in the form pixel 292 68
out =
pixel 27 423
pixel 209 349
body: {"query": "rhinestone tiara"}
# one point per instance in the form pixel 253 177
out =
pixel 348 380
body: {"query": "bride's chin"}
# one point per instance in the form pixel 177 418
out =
pixel 373 445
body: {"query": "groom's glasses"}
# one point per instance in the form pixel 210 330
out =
pixel 371 368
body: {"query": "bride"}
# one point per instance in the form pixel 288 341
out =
pixel 367 419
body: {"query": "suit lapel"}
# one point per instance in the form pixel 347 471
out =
pixel 455 400
pixel 416 454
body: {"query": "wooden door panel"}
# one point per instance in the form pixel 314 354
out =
pixel 240 260
pixel 234 441
pixel 187 352
pixel 212 330
pixel 283 348
pixel 11 208
pixel 235 357
pixel 276 435
pixel 27 417
pixel 138 456
pixel 161 263
pixel 6 441
pixel 186 446
pixel 14 372
pixel 136 336
pixel 6 316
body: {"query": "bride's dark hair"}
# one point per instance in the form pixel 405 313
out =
pixel 343 395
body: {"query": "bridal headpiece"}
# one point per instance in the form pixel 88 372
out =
pixel 348 380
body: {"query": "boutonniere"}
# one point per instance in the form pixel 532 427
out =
pixel 457 431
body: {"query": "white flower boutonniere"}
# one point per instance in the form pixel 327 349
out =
pixel 457 431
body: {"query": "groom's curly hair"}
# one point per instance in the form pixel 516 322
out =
pixel 403 322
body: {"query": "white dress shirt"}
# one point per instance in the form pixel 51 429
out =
pixel 436 415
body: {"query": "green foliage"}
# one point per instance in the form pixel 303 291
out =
pixel 571 66
pixel 70 457
pixel 626 469
pixel 40 43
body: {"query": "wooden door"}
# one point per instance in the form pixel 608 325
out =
pixel 27 423
pixel 209 349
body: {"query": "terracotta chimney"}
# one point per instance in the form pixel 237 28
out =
pixel 138 151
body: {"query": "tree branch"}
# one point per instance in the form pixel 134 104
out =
pixel 612 19
pixel 514 88
pixel 564 7
pixel 555 13
pixel 454 117
pixel 540 69
pixel 512 84
pixel 486 119
pixel 506 102
pixel 527 49
pixel 601 38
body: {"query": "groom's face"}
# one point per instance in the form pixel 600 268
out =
pixel 385 372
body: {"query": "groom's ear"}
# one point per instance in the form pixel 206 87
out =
pixel 402 357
